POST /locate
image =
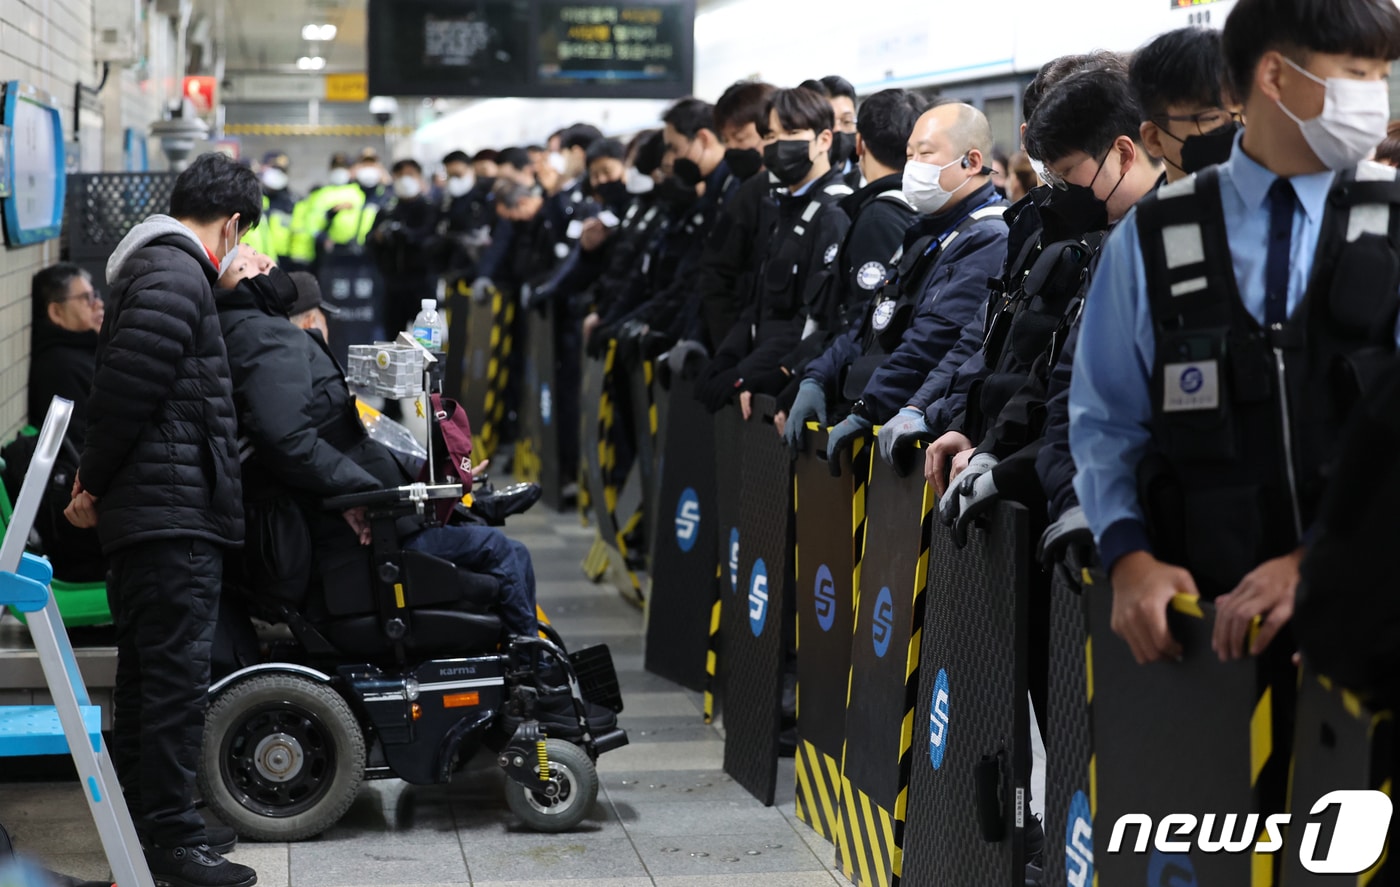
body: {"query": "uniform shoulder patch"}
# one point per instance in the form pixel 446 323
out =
pixel 870 275
pixel 883 313
pixel 831 253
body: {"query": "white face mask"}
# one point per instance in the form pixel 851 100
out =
pixel 558 163
pixel 923 187
pixel 368 177
pixel 230 252
pixel 1039 168
pixel 1353 119
pixel 340 177
pixel 407 187
pixel 460 186
pixel 274 179
pixel 637 183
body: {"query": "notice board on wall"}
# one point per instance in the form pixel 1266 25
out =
pixel 532 48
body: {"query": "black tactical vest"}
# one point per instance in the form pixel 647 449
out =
pixel 1246 418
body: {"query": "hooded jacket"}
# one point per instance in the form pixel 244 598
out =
pixel 161 454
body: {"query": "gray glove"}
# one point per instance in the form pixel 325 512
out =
pixel 951 504
pixel 481 289
pixel 903 430
pixel 1071 529
pixel 810 405
pixel 841 438
pixel 977 495
pixel 683 352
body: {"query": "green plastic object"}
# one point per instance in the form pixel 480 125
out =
pixel 80 604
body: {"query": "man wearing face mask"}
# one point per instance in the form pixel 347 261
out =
pixel 809 226
pixel 273 238
pixel 159 478
pixel 309 215
pixel 1177 78
pixel 937 283
pixel 350 219
pixel 736 234
pixel 880 215
pixel 842 95
pixel 1095 163
pixel 466 214
pixel 405 244
pixel 1241 439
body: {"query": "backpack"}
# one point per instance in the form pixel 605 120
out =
pixel 452 450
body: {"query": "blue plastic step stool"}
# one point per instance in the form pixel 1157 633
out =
pixel 72 725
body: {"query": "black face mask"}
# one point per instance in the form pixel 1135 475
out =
pixel 1071 213
pixel 613 194
pixel 744 162
pixel 1215 147
pixel 673 192
pixel 688 171
pixel 789 160
pixel 843 147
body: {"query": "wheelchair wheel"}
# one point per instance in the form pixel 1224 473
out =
pixel 283 757
pixel 571 771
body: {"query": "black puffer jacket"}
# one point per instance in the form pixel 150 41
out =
pixel 161 453
pixel 60 365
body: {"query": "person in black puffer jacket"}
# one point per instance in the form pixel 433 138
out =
pixel 159 478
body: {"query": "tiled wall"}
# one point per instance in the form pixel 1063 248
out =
pixel 48 43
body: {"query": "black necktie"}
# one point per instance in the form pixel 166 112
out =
pixel 1282 201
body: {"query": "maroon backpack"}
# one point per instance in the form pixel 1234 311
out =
pixel 452 450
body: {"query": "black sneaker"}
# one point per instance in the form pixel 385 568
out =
pixel 196 867
pixel 220 838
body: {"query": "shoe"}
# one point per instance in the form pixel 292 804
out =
pixel 221 838
pixel 196 867
pixel 556 715
pixel 495 506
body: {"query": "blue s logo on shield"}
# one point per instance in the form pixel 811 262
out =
pixel 938 720
pixel 687 520
pixel 825 594
pixel 1079 843
pixel 758 597
pixel 734 560
pixel 1170 870
pixel 883 622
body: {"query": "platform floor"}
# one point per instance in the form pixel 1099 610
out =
pixel 666 816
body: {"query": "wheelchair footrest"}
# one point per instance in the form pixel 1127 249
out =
pixel 610 741
pixel 597 678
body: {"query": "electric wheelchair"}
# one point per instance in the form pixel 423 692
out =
pixel 402 671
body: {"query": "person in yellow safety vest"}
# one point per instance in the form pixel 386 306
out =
pixel 273 235
pixel 350 210
pixel 308 219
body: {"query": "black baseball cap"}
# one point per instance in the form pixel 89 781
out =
pixel 308 295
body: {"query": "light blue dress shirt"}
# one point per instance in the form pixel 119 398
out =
pixel 1110 394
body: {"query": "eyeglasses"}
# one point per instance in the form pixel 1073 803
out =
pixel 1205 121
pixel 1056 181
pixel 91 297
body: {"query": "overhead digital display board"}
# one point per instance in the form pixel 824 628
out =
pixel 531 48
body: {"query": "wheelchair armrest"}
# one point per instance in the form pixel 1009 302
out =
pixel 411 493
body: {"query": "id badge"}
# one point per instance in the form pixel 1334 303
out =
pixel 1191 387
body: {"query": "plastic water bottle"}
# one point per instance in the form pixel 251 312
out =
pixel 429 328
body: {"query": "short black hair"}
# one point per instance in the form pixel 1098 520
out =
pixel 456 157
pixel 831 87
pixel 1181 67
pixel 1388 151
pixel 580 135
pixel 650 153
pixel 606 149
pixel 1056 70
pixel 516 157
pixel 743 103
pixel 50 286
pixel 214 187
pixel 689 116
pixel 488 154
pixel 532 149
pixel 1086 112
pixel 885 122
pixel 799 109
pixel 406 164
pixel 634 144
pixel 1363 28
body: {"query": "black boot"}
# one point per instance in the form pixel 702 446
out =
pixel 1035 849
pixel 196 867
pixel 220 838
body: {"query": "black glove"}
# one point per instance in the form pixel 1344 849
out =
pixel 718 390
pixel 765 381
